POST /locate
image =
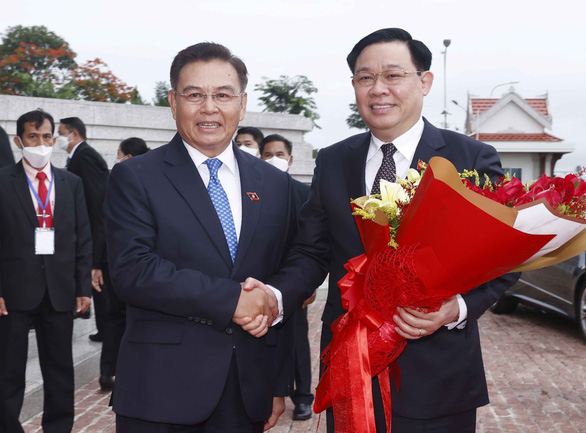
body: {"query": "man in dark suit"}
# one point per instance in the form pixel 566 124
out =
pixel 6 156
pixel 85 162
pixel 185 224
pixel 277 150
pixel 44 274
pixel 442 381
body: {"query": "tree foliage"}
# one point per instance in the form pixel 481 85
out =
pixel 289 95
pixel 354 120
pixel 36 62
pixel 161 98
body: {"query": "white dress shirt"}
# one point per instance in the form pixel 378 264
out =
pixel 229 176
pixel 31 173
pixel 406 145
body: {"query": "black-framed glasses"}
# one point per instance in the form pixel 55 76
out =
pixel 389 77
pixel 220 98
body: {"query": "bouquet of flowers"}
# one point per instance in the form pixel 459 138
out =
pixel 414 235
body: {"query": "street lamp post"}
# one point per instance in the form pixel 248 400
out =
pixel 503 84
pixel 447 43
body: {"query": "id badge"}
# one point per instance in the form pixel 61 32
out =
pixel 44 241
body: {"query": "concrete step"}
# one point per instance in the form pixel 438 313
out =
pixel 86 359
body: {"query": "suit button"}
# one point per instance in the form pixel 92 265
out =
pixel 229 331
pixel 190 318
pixel 42 266
pixel 196 320
pixel 210 322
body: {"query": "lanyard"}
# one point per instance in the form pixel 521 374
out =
pixel 41 205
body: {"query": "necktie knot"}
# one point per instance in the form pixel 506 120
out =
pixel 214 165
pixel 41 175
pixel 388 149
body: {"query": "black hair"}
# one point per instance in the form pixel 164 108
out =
pixel 74 124
pixel 275 137
pixel 37 116
pixel 420 54
pixel 133 146
pixel 207 51
pixel 255 132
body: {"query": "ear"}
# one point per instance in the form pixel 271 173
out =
pixel 17 141
pixel 426 81
pixel 290 160
pixel 172 102
pixel 243 105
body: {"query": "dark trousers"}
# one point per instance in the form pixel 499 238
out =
pixel 54 332
pixel 464 422
pixel 113 326
pixel 228 417
pixel 302 393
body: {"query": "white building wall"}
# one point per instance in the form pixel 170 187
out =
pixel 108 124
pixel 510 119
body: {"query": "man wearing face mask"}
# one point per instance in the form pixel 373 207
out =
pixel 276 150
pixel 45 268
pixel 248 139
pixel 85 162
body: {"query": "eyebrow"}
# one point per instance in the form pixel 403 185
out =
pixel 385 67
pixel 216 89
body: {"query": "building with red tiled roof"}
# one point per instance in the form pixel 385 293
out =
pixel 520 130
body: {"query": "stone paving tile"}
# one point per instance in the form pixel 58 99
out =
pixel 536 373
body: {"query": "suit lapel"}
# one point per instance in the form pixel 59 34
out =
pixel 429 145
pixel 355 166
pixel 250 182
pixel 23 192
pixel 62 198
pixel 184 176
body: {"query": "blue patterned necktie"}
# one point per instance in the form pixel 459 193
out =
pixel 222 205
pixel 387 170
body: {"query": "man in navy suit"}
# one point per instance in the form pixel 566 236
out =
pixel 185 225
pixel 442 381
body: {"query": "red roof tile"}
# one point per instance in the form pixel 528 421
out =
pixel 483 136
pixel 480 105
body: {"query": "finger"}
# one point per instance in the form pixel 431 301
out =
pixel 101 280
pixel 251 283
pixel 260 330
pixel 242 320
pixel 254 324
pixel 407 330
pixel 271 422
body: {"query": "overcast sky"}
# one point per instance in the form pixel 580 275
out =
pixel 540 44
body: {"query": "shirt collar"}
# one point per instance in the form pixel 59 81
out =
pixel 406 144
pixel 74 149
pixel 227 157
pixel 31 172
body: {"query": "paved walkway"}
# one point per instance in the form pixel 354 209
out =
pixel 536 370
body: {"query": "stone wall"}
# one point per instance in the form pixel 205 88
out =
pixel 108 124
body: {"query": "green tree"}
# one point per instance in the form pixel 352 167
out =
pixel 34 61
pixel 289 95
pixel 161 98
pixel 354 120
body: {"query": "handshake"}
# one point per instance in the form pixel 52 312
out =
pixel 257 308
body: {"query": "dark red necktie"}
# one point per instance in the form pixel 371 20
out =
pixel 43 196
pixel 387 170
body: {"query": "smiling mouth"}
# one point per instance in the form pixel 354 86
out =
pixel 379 107
pixel 208 125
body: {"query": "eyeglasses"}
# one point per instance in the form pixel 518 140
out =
pixel 198 98
pixel 391 77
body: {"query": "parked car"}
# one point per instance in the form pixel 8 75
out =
pixel 560 289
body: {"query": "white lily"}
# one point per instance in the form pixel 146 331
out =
pixel 392 193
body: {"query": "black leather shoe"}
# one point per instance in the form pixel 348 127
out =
pixel 302 412
pixel 96 337
pixel 106 383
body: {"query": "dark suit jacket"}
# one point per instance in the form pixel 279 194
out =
pixel 24 276
pixel 88 164
pixel 170 263
pixel 441 374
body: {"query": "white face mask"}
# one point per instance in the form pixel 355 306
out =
pixel 249 150
pixel 38 156
pixel 280 163
pixel 62 142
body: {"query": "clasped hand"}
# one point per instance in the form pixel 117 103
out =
pixel 257 308
pixel 413 324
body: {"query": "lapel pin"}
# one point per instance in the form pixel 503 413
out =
pixel 253 196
